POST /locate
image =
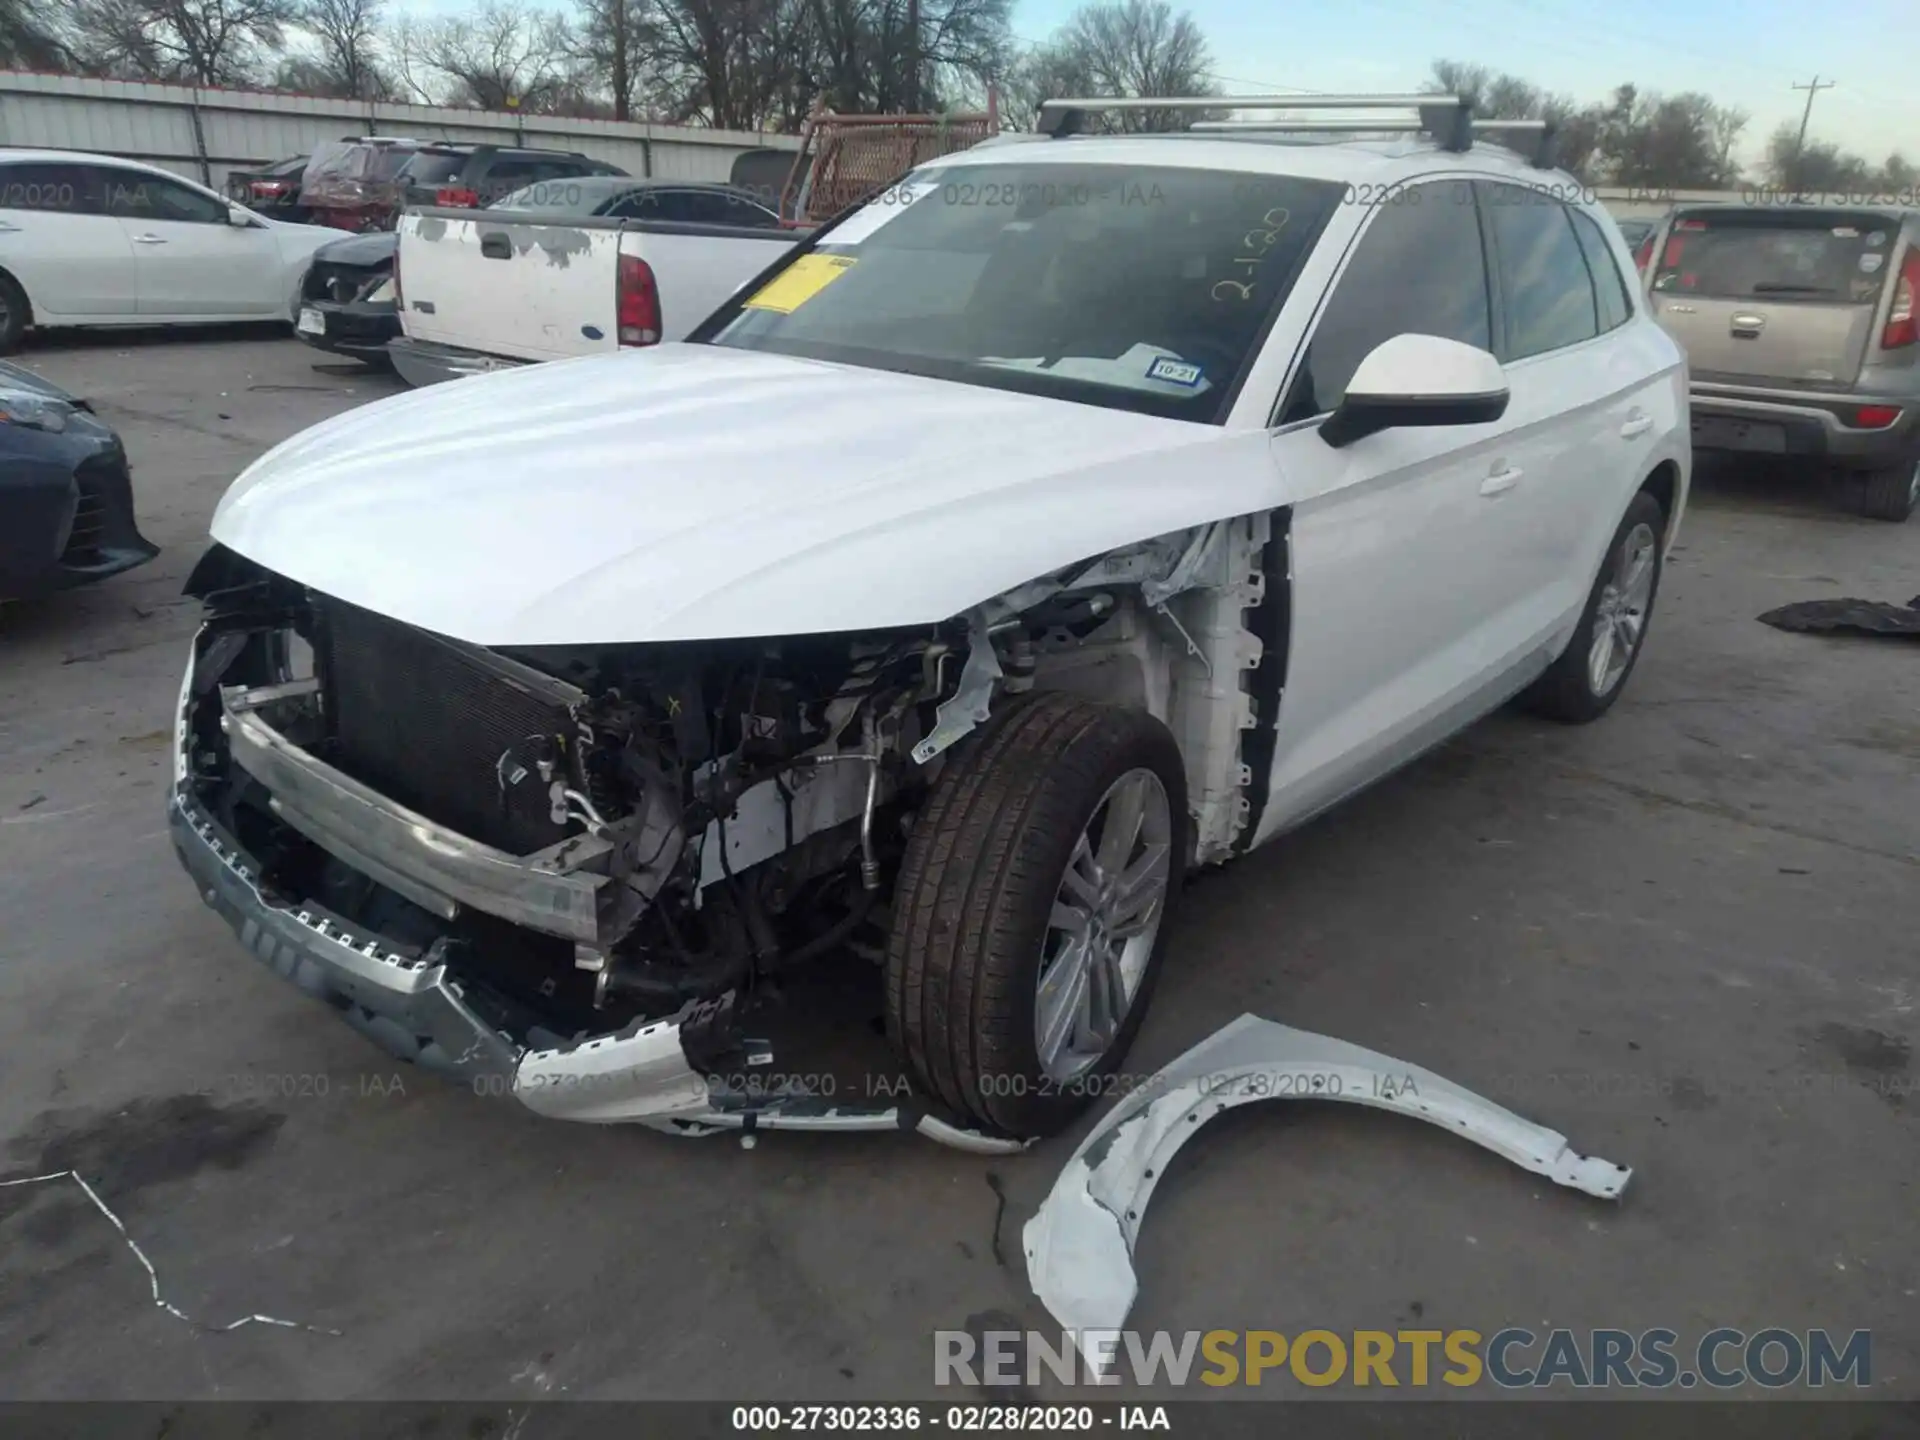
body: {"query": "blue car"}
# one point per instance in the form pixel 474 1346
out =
pixel 66 497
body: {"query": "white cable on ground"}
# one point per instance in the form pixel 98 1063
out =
pixel 153 1277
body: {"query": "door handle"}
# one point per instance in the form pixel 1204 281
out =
pixel 1500 481
pixel 148 240
pixel 1637 426
pixel 496 247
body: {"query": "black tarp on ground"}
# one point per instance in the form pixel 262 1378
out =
pixel 1857 617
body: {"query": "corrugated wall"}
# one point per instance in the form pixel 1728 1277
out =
pixel 202 134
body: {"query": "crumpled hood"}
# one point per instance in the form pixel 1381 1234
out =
pixel 697 492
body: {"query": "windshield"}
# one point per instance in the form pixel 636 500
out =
pixel 1136 288
pixel 1775 256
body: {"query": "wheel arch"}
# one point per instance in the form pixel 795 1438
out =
pixel 1664 484
pixel 6 273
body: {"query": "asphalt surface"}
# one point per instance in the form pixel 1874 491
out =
pixel 1684 936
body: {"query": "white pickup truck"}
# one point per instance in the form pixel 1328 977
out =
pixel 572 267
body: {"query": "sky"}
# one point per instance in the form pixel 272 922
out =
pixel 1747 53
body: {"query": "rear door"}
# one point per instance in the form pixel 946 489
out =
pixel 1781 297
pixel 1576 406
pixel 58 241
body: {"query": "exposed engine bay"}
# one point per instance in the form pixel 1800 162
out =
pixel 593 839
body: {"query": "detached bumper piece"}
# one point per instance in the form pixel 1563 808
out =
pixel 1080 1242
pixel 412 1002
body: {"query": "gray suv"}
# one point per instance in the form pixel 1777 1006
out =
pixel 1802 337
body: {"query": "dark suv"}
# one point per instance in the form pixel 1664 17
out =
pixel 477 175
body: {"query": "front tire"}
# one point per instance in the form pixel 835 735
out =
pixel 1029 917
pixel 15 314
pixel 1590 674
pixel 1889 493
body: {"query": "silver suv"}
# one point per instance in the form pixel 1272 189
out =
pixel 1801 332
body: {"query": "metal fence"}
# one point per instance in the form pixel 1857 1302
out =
pixel 204 133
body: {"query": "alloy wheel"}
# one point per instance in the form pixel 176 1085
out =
pixel 1620 619
pixel 1106 917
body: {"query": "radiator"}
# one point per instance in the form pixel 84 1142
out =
pixel 425 721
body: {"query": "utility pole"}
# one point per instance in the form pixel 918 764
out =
pixel 1800 145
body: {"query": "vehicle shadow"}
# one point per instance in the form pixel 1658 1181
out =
pixel 49 342
pixel 1792 486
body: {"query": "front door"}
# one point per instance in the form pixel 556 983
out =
pixel 1401 564
pixel 190 260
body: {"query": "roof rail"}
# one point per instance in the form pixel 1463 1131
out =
pixel 1448 118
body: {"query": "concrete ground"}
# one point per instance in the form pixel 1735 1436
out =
pixel 1684 936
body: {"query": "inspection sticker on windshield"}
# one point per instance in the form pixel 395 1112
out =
pixel 1177 372
pixel 800 282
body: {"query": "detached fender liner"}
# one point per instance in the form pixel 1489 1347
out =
pixel 1080 1242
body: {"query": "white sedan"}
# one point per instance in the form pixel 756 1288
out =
pixel 94 240
pixel 1078 513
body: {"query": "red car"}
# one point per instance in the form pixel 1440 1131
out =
pixel 272 190
pixel 355 184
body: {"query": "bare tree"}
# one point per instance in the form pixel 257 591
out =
pixel 205 42
pixel 1047 72
pixel 1498 96
pixel 1134 48
pixel 502 56
pixel 346 35
pixel 1826 167
pixel 31 38
pixel 606 46
pixel 1673 141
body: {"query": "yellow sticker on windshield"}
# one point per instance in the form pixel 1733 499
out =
pixel 800 282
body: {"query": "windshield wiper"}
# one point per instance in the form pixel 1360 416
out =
pixel 1766 287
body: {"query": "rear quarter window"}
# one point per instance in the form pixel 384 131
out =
pixel 1609 288
pixel 1821 258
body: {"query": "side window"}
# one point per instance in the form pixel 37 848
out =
pixel 709 207
pixel 136 195
pixel 652 204
pixel 506 176
pixel 742 211
pixel 1609 290
pixel 70 189
pixel 1543 274
pixel 1419 269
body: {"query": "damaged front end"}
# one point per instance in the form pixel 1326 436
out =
pixel 578 875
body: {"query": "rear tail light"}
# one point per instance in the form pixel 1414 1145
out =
pixel 637 302
pixel 1903 325
pixel 396 280
pixel 1875 417
pixel 457 196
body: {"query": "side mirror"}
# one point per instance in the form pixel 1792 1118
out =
pixel 1418 380
pixel 239 217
